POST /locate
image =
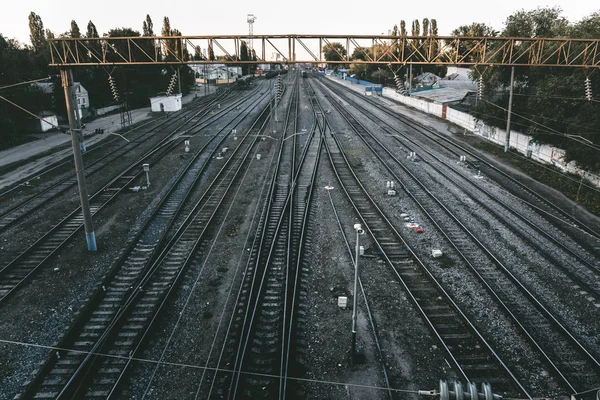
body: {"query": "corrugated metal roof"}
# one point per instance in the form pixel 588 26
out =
pixel 443 95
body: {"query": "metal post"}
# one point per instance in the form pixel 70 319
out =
pixel 358 229
pixel 410 81
pixel 510 97
pixel 67 82
pixel 179 78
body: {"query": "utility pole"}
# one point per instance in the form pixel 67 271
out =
pixel 76 139
pixel 179 78
pixel 510 98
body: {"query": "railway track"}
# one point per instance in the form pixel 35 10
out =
pixel 470 354
pixel 20 269
pixel 17 212
pixel 558 248
pixel 521 191
pixel 127 307
pixel 259 347
pixel 573 364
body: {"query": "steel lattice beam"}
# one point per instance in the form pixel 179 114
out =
pixel 380 49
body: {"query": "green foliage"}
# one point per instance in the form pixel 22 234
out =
pixel 75 32
pixel 334 51
pixel 548 103
pixel 148 26
pixel 37 34
pixel 20 64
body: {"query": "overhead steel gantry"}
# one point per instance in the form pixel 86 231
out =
pixel 309 49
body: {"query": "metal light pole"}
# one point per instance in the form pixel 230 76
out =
pixel 67 82
pixel 359 231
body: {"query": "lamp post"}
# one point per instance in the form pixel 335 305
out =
pixel 359 231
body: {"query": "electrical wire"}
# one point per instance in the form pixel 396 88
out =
pixel 199 367
pixel 29 112
pixel 24 83
pixel 556 97
pixel 551 131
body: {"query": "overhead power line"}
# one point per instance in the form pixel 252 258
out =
pixel 551 131
pixel 24 83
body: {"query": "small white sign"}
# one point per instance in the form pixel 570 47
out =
pixel 342 301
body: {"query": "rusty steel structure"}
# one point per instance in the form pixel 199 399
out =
pixel 309 49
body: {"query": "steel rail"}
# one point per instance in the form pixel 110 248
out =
pixel 567 269
pixel 557 213
pixel 89 361
pixel 364 134
pixel 17 212
pixel 21 268
pixel 381 230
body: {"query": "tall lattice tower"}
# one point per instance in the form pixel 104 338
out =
pixel 250 18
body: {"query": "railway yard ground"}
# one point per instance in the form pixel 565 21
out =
pixel 228 270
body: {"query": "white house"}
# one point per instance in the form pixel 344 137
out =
pixel 166 103
pixel 82 99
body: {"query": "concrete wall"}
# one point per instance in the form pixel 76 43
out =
pixel 521 142
pixel 106 110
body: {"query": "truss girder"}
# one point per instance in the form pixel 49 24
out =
pixel 379 49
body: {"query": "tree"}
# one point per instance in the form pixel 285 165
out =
pixel 541 22
pixel 426 27
pixel 550 101
pixel 434 28
pixel 403 28
pixel 75 32
pixel 416 29
pixel 170 45
pixel 467 47
pixel 244 56
pixel 36 33
pixel 92 32
pixel 148 26
pixel 334 51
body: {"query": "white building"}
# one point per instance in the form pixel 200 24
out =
pixel 216 73
pixel 166 103
pixel 82 99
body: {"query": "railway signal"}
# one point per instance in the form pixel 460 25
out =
pixel 147 170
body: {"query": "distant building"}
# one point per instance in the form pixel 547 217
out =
pixel 216 73
pixel 82 98
pixel 166 103
pixel 47 123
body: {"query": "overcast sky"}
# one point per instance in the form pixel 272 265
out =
pixel 283 17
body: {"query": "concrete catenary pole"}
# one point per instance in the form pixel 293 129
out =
pixel 510 98
pixel 67 82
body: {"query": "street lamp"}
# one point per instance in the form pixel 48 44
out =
pixel 359 231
